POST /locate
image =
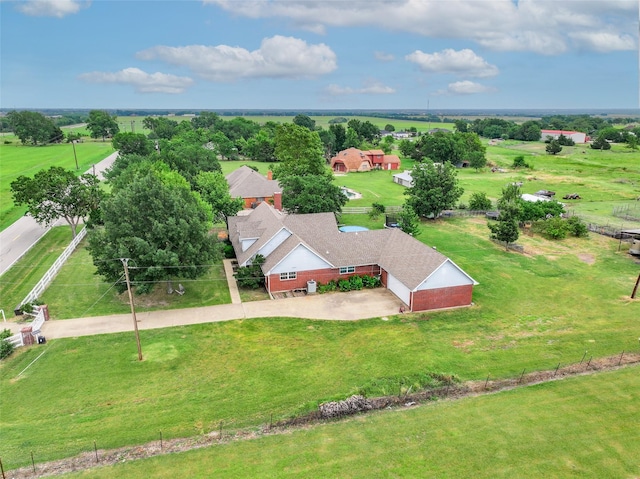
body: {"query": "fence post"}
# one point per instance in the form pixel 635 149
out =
pixel 556 371
pixel 620 360
pixel 95 448
pixel 487 381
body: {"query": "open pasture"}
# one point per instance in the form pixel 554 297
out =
pixel 20 160
pixel 560 429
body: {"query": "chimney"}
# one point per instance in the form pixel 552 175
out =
pixel 277 200
pixel 269 175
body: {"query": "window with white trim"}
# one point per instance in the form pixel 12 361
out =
pixel 289 275
pixel 347 269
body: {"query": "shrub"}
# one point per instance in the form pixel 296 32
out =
pixel 519 162
pixel 228 251
pixel 377 210
pixel 479 202
pixel 327 288
pixel 6 348
pixel 356 282
pixel 5 333
pixel 344 285
pixel 371 281
pixel 577 227
pixel 251 277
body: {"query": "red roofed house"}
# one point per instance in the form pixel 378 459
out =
pixel 353 159
pixel 299 249
pixel 254 188
pixel 576 136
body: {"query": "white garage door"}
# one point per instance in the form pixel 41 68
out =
pixel 399 289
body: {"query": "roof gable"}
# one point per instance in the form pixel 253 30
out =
pixel 248 183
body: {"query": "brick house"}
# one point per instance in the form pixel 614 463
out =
pixel 353 159
pixel 254 188
pixel 302 248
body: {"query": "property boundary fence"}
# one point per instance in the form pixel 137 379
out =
pixel 629 212
pixel 353 210
pixel 39 288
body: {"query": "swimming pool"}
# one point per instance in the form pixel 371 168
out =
pixel 352 229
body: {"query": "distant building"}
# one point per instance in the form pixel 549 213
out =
pixel 576 136
pixel 353 159
pixel 404 178
pixel 254 188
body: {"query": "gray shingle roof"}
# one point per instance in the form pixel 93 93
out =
pixel 407 259
pixel 247 183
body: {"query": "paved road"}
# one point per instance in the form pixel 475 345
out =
pixel 20 237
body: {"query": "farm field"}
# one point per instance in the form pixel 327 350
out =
pixel 20 160
pixel 559 429
pixel 552 304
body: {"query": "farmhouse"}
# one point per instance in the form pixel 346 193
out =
pixel 254 188
pixel 576 136
pixel 353 159
pixel 299 249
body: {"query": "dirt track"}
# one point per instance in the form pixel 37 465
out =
pixel 88 460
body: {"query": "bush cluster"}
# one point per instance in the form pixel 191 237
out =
pixel 6 348
pixel 558 228
pixel 354 283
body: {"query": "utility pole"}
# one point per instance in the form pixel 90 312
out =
pixel 125 263
pixel 73 142
pixel 635 288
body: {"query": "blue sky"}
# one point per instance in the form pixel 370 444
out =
pixel 319 54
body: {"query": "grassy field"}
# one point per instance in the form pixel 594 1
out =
pixel 18 160
pixel 560 429
pixel 531 312
pixel 16 283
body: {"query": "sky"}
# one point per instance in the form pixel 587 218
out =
pixel 319 54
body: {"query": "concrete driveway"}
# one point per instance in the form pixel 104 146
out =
pixel 349 306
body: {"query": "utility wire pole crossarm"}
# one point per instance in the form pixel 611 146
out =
pixel 125 263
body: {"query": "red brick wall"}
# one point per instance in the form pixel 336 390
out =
pixel 275 284
pixel 441 298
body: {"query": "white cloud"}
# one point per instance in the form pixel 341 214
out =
pixel 542 26
pixel 52 8
pixel 462 62
pixel 466 87
pixel 603 41
pixel 384 57
pixel 143 82
pixel 277 57
pixel 370 88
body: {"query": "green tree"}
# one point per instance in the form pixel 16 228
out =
pixel 435 188
pixel 340 134
pixel 632 142
pixel 477 160
pixel 34 128
pixel 553 147
pixel 389 127
pixel 408 221
pixel 506 229
pixel 261 147
pixel 158 222
pixel 223 146
pixel 305 121
pixel 189 159
pixel 601 143
pixel 479 202
pixel 132 144
pixel 461 125
pixel 407 148
pixel 214 189
pixel 102 125
pixel 57 193
pixel 206 119
pixel 311 194
pixel 300 152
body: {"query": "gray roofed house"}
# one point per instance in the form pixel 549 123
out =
pixel 254 188
pixel 302 248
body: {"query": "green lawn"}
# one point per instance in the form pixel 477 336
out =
pixel 560 429
pixel 17 160
pixel 16 283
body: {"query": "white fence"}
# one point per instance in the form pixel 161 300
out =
pixel 36 326
pixel 39 288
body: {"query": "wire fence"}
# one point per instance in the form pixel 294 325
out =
pixel 225 432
